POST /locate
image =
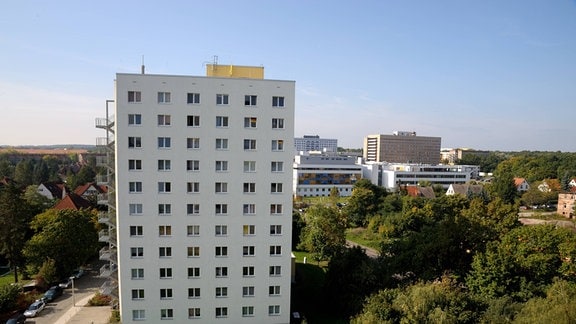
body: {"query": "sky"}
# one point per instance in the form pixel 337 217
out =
pixel 483 74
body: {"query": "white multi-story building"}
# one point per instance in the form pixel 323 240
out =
pixel 395 174
pixel 315 143
pixel 203 196
pixel 316 174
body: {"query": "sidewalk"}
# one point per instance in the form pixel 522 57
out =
pixel 85 314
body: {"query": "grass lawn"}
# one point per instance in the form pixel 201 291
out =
pixel 307 293
pixel 6 278
pixel 360 236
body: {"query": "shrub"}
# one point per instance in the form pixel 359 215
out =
pixel 8 296
pixel 100 300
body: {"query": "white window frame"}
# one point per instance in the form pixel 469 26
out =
pixel 194 312
pixel 274 290
pixel 274 310
pixel 138 294
pixel 248 250
pixel 249 187
pixel 164 142
pixel 134 96
pixel 193 143
pixel 193 272
pixel 193 251
pixel 221 187
pixel 221 230
pixel 221 251
pixel 193 230
pixel 165 252
pixel 135 209
pixel 277 123
pixel 221 209
pixel 275 230
pixel 276 209
pixel 249 166
pixel 276 187
pixel 248 271
pixel 222 121
pixel 134 119
pixel 248 291
pixel 138 314
pixel 134 142
pixel 247 311
pixel 249 144
pixel 194 293
pixel 222 144
pixel 248 230
pixel 164 187
pixel 192 165
pixel 277 166
pixel 249 209
pixel 221 166
pixel 277 101
pixel 222 99
pixel 164 230
pixel 165 273
pixel 164 209
pixel 221 272
pixel 135 187
pixel 192 98
pixel 166 293
pixel 136 252
pixel 221 312
pixel 277 145
pixel 250 122
pixel 275 271
pixel 166 313
pixel 137 273
pixel 193 121
pixel 164 165
pixel 134 165
pixel 221 292
pixel 136 231
pixel 164 97
pixel 250 100
pixel 275 250
pixel 193 209
pixel 164 120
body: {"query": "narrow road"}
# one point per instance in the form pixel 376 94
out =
pixel 373 253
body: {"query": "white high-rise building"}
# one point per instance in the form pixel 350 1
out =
pixel 204 197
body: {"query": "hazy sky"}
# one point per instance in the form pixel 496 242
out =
pixel 487 74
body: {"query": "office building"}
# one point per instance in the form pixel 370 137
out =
pixel 315 143
pixel 203 196
pixel 402 147
pixel 316 174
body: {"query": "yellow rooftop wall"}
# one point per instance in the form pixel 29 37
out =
pixel 234 71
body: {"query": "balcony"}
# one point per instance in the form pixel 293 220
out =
pixel 104 217
pixel 108 287
pixel 104 236
pixel 105 142
pixel 105 123
pixel 108 254
pixel 107 270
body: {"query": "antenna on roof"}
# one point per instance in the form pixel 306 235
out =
pixel 143 68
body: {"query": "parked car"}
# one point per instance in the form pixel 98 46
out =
pixel 17 319
pixel 65 284
pixel 78 273
pixel 52 293
pixel 35 309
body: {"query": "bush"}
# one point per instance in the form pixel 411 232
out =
pixel 8 297
pixel 115 317
pixel 100 300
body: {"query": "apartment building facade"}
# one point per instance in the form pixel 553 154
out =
pixel 316 174
pixel 402 147
pixel 203 196
pixel 309 143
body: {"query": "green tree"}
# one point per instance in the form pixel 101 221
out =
pixel 37 202
pixel 67 236
pixel 503 185
pixel 15 215
pixel 23 173
pixel 556 307
pixel 325 232
pixel 8 297
pixel 48 272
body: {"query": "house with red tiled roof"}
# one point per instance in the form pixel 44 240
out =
pixel 466 190
pixel 521 184
pixel 52 190
pixel 73 201
pixel 417 191
pixel 90 190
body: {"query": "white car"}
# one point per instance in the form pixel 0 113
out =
pixel 34 309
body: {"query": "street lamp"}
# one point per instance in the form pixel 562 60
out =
pixel 73 296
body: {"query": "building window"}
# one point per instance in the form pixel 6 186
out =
pixel 134 165
pixel 277 145
pixel 250 100
pixel 164 209
pixel 166 313
pixel 138 315
pixel 165 252
pixel 164 97
pixel 135 186
pixel 221 121
pixel 193 209
pixel 136 252
pixel 166 293
pixel 164 142
pixel 275 229
pixel 221 166
pixel 276 209
pixel 276 187
pixel 165 273
pixel 250 122
pixel 193 292
pixel 134 96
pixel 249 166
pixel 164 165
pixel 165 230
pixel 275 271
pixel 249 144
pixel 248 271
pixel 136 231
pixel 221 143
pixel 193 143
pixel 164 120
pixel 248 291
pixel 137 294
pixel 194 312
pixel 248 230
pixel 221 251
pixel 221 209
pixel 193 121
pixel 193 251
pixel 275 250
pixel 274 290
pixel 137 273
pixel 192 165
pixel 221 312
pixel 194 272
pixel 249 187
pixel 134 142
pixel 221 99
pixel 277 123
pixel 193 187
pixel 221 187
pixel 193 98
pixel 193 230
pixel 221 272
pixel 221 292
pixel 277 101
pixel 274 310
pixel 134 119
pixel 277 166
pixel 221 230
pixel 135 209
pixel 164 187
pixel 248 250
pixel 247 311
pixel 249 209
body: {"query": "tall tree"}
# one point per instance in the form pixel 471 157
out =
pixel 67 236
pixel 23 173
pixel 503 185
pixel 325 232
pixel 15 215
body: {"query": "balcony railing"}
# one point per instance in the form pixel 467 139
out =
pixel 107 270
